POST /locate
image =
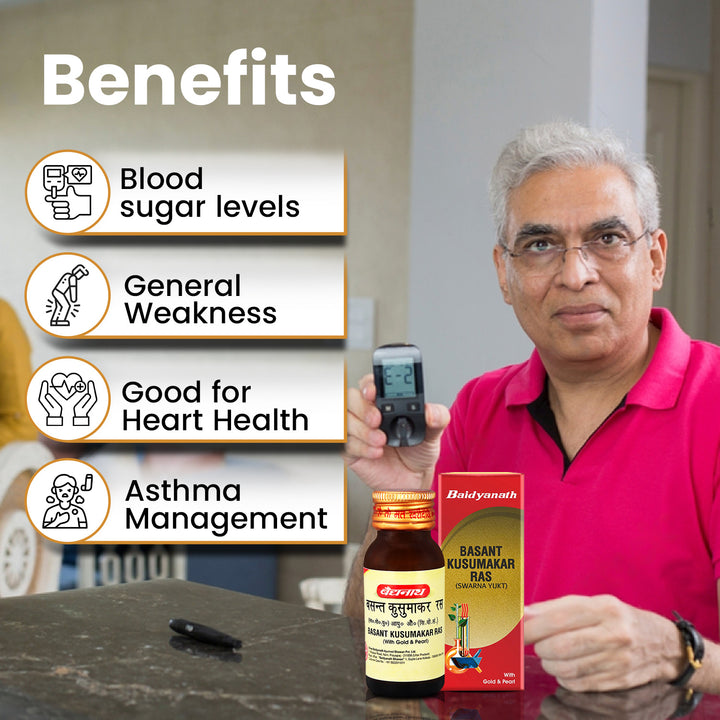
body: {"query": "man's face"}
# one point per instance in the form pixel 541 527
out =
pixel 584 312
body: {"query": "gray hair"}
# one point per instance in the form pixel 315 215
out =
pixel 567 145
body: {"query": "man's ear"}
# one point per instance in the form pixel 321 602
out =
pixel 501 270
pixel 658 255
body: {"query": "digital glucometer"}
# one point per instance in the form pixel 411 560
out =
pixel 400 393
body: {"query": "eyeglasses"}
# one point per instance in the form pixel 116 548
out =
pixel 543 255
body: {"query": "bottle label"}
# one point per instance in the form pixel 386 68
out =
pixel 404 624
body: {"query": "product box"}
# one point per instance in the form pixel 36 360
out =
pixel 480 527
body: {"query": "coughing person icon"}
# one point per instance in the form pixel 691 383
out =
pixel 64 510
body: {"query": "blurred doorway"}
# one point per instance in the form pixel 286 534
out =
pixel 678 145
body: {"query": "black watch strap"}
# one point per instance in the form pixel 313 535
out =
pixel 695 649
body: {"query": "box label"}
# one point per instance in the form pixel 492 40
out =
pixel 481 527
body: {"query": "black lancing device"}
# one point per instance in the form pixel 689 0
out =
pixel 400 393
pixel 205 634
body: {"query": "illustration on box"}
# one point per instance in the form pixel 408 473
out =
pixel 460 658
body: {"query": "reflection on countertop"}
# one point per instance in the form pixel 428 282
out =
pixel 544 700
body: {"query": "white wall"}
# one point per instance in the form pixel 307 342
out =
pixel 482 70
pixel 618 68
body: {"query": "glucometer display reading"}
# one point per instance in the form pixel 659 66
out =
pixel 399 377
pixel 400 393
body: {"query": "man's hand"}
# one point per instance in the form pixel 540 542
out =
pixel 600 643
pixel 382 467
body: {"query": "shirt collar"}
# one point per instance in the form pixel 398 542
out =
pixel 658 387
pixel 528 383
pixel 660 384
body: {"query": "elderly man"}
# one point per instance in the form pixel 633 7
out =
pixel 614 420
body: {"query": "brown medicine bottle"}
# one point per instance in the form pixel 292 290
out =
pixel 404 583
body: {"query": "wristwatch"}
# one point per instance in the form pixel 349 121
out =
pixel 695 649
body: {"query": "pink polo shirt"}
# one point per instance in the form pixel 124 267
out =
pixel 636 513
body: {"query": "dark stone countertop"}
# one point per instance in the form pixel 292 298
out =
pixel 108 653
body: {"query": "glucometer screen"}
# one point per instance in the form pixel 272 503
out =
pixel 399 378
pixel 398 374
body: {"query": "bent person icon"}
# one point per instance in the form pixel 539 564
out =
pixel 65 296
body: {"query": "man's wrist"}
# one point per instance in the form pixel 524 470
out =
pixel 693 649
pixel 669 650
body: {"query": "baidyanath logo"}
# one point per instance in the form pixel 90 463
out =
pixel 477 495
pixel 403 591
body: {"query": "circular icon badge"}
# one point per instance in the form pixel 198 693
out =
pixel 68 398
pixel 67 295
pixel 67 501
pixel 67 192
